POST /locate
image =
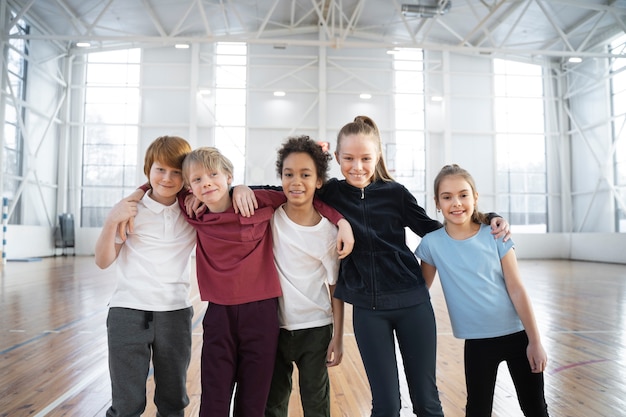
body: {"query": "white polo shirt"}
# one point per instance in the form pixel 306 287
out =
pixel 153 264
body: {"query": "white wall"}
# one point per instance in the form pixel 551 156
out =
pixel 459 130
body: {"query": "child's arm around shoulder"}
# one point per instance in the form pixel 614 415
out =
pixel 245 201
pixel 345 236
pixel 127 225
pixel 107 249
pixel 499 226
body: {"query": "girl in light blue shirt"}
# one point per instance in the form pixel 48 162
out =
pixel 486 299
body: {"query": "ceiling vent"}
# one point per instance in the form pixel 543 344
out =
pixel 426 10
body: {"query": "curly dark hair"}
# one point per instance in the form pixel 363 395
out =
pixel 304 144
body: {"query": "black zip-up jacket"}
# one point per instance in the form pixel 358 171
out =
pixel 381 272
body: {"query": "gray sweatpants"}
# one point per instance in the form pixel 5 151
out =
pixel 135 337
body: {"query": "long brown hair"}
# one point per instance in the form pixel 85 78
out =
pixel 453 170
pixel 366 126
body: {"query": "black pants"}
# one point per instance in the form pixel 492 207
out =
pixel 482 358
pixel 306 348
pixel 416 332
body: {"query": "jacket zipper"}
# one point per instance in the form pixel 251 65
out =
pixel 366 222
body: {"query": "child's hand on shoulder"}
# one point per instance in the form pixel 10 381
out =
pixel 123 214
pixel 345 239
pixel 194 207
pixel 500 228
pixel 244 200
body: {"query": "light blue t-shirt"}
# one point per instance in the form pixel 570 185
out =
pixel 473 283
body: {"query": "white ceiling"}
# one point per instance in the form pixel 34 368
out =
pixel 527 28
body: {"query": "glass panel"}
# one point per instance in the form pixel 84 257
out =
pixel 224 96
pixel 111 131
pixel 230 76
pixel 227 115
pixel 13 144
pixel 405 156
pixel 520 144
pixel 231 48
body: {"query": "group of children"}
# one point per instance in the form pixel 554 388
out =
pixel 276 267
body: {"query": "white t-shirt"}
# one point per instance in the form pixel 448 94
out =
pixel 153 264
pixel 306 260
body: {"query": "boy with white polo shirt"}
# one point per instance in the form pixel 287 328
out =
pixel 150 311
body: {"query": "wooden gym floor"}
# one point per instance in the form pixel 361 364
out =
pixel 53 354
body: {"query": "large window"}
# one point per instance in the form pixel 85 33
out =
pixel 618 101
pixel 406 157
pixel 14 111
pixel 230 104
pixel 110 132
pixel 521 145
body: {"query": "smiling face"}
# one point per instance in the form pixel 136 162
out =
pixel 357 157
pixel 165 182
pixel 456 199
pixel 299 179
pixel 210 186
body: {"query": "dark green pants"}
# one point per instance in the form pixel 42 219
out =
pixel 307 349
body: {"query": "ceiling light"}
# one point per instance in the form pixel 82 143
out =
pixel 436 98
pixel 426 10
pixel 365 96
pixel 83 44
pixel 575 59
pixel 279 94
pixel 181 46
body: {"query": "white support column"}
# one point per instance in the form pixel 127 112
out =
pixel 194 93
pixel 64 159
pixel 322 92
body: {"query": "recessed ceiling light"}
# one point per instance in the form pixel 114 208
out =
pixel 365 96
pixel 575 59
pixel 83 44
pixel 436 98
pixel 181 46
pixel 279 94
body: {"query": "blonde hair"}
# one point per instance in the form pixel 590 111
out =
pixel 453 170
pixel 364 125
pixel 168 150
pixel 208 157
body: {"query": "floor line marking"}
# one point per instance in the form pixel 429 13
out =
pixel 76 388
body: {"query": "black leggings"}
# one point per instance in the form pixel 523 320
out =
pixel 482 358
pixel 415 329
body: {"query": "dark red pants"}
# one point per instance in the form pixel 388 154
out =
pixel 238 353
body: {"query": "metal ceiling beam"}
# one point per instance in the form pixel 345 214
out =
pixel 182 20
pixel 203 17
pixel 341 22
pixel 100 15
pixel 154 18
pixel 508 12
pixel 73 19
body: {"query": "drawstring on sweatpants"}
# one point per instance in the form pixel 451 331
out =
pixel 148 317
